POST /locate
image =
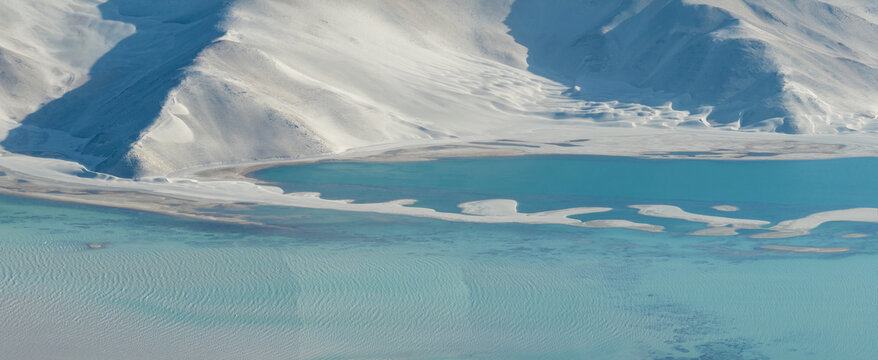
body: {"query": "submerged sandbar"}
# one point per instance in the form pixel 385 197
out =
pixel 804 249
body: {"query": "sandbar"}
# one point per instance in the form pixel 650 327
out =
pixel 802 249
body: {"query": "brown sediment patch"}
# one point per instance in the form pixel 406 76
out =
pixel 803 249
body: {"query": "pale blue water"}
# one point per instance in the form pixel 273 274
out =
pixel 327 284
pixel 549 182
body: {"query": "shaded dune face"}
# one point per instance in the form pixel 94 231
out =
pixel 229 81
pixel 216 82
pixel 127 86
pixel 787 66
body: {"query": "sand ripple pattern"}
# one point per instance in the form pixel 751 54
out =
pixel 281 303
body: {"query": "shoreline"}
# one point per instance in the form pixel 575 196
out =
pixel 189 192
pixel 644 143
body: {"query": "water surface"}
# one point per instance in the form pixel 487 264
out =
pixel 326 284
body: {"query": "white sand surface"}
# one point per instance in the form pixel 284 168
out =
pixel 803 226
pixel 298 79
pixel 621 224
pixel 802 249
pixel 728 208
pixel 674 212
pixel 490 207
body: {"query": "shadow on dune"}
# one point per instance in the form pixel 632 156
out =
pixel 652 53
pixel 96 123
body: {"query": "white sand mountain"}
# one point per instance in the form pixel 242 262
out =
pixel 795 66
pixel 134 87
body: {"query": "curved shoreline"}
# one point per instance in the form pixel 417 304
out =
pixel 644 143
pixel 187 192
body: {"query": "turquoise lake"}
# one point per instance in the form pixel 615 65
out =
pixel 320 284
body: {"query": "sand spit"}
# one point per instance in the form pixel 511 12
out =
pixel 674 212
pixel 506 208
pixel 803 226
pixel 621 224
pixel 801 249
pixel 727 208
pixel 717 225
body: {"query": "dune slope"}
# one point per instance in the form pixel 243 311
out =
pixel 795 66
pixel 136 88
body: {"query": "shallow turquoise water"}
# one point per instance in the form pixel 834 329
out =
pixel 328 284
pixel 540 183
